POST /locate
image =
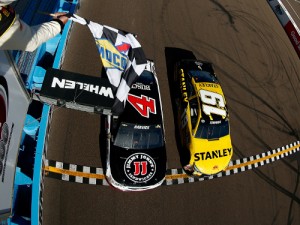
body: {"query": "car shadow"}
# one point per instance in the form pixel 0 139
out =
pixel 174 55
pixel 102 142
pixel 102 133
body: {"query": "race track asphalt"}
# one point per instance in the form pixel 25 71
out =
pixel 259 72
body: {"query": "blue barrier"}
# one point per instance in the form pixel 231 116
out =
pixel 56 47
pixel 37 186
pixel 36 209
pixel 61 47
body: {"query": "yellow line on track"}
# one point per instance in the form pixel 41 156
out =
pixel 176 176
pixel 261 159
pixel 73 173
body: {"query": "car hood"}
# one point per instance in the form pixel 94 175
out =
pixel 211 156
pixel 137 168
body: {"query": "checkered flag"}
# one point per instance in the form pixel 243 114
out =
pixel 122 57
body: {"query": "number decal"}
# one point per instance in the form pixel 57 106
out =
pixel 213 103
pixel 144 104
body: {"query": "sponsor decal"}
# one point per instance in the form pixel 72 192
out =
pixel 215 122
pixel 203 85
pixel 111 56
pixel 70 84
pixel 293 33
pixel 213 154
pixel 139 167
pixel 140 127
pixel 183 87
pixel 215 167
pixel 295 39
pixel 123 48
pixel 141 86
pixel 294 36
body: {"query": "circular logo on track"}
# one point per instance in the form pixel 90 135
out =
pixel 139 167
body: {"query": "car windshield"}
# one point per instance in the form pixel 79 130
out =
pixel 212 131
pixel 133 136
pixel 203 76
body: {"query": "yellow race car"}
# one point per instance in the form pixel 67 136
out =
pixel 202 116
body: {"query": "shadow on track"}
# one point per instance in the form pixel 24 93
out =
pixel 174 55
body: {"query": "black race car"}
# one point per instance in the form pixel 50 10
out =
pixel 136 154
